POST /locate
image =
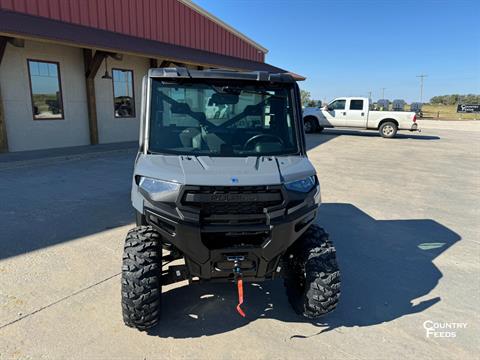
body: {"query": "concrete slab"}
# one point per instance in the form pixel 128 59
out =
pixel 402 213
pixel 40 157
pixel 462 125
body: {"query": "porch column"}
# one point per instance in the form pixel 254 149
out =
pixel 92 64
pixel 3 128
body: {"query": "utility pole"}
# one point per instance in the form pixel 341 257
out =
pixel 421 76
pixel 370 95
pixel 383 93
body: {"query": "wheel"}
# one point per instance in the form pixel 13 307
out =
pixel 388 129
pixel 140 218
pixel 141 275
pixel 309 125
pixel 312 276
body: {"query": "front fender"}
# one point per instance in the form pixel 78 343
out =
pixel 314 114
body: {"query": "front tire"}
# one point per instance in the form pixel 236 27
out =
pixel 388 129
pixel 309 125
pixel 141 278
pixel 312 276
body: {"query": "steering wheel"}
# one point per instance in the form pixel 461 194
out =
pixel 255 138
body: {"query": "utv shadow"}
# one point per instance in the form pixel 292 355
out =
pixel 385 265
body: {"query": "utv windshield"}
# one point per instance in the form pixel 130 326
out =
pixel 216 118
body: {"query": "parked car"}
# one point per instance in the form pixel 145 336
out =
pixel 353 112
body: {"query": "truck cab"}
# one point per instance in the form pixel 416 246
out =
pixel 345 112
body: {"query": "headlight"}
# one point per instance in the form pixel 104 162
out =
pixel 304 185
pixel 158 190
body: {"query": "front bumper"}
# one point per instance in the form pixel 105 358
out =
pixel 255 242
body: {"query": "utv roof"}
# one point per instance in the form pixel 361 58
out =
pixel 184 73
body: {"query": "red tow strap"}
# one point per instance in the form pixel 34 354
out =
pixel 240 296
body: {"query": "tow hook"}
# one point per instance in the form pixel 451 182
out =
pixel 237 275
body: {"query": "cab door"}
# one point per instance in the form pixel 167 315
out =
pixel 356 113
pixel 334 112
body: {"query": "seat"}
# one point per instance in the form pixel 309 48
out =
pixel 191 138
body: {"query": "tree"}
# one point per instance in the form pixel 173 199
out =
pixel 305 97
pixel 455 99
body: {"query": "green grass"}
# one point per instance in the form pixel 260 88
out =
pixel 442 112
pixel 445 112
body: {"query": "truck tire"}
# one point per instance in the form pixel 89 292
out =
pixel 312 276
pixel 141 278
pixel 388 129
pixel 309 125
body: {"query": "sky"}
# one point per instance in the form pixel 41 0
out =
pixel 351 48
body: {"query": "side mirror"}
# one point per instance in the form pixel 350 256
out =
pixel 327 108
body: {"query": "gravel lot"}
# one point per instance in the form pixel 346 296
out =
pixel 403 214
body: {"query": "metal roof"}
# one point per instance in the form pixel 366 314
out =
pixel 34 27
pixel 177 22
pixel 205 13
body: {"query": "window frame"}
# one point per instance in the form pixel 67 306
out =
pixel 352 100
pixel 151 103
pixel 134 115
pixel 338 100
pixel 59 85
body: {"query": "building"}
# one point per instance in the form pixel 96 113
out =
pixel 71 70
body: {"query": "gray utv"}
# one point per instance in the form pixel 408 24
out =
pixel 223 182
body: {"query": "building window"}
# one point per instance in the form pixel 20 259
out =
pixel 45 89
pixel 123 95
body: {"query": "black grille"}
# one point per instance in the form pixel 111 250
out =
pixel 232 240
pixel 232 200
pixel 233 208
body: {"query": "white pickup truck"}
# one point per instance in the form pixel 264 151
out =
pixel 354 112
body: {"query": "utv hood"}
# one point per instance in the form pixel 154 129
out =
pixel 217 171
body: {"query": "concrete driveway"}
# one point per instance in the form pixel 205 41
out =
pixel 403 214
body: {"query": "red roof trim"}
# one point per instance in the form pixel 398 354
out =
pixel 43 28
pixel 170 21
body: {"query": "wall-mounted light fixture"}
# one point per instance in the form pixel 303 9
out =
pixel 106 75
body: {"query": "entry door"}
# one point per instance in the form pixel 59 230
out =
pixel 356 113
pixel 335 113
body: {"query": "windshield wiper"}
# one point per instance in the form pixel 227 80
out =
pixel 150 152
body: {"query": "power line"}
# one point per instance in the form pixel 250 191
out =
pixel 421 76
